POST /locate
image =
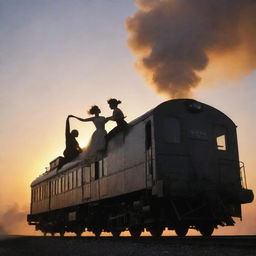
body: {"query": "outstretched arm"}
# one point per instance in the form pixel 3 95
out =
pixel 82 119
pixel 110 118
pixel 67 128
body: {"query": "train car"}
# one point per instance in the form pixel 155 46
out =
pixel 176 167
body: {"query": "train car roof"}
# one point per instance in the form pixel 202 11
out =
pixel 153 111
pixel 175 102
pixel 52 173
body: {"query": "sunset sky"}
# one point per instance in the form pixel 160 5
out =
pixel 59 58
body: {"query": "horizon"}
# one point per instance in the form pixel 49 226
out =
pixel 60 58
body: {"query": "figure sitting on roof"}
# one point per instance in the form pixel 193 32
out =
pixel 117 116
pixel 97 143
pixel 72 147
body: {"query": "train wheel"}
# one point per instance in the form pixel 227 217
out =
pixel 181 230
pixel 156 231
pixel 62 233
pixel 78 233
pixel 205 229
pixel 135 231
pixel 116 233
pixel 97 232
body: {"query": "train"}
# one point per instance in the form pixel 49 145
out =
pixel 176 167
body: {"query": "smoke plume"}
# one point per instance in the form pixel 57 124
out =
pixel 175 40
pixel 12 220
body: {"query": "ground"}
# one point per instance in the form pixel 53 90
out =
pixel 148 246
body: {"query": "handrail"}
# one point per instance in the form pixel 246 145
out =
pixel 243 174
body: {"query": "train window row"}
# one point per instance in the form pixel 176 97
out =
pixel 69 181
pixel 66 182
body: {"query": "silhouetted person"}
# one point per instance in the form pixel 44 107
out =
pixel 117 116
pixel 72 147
pixel 97 143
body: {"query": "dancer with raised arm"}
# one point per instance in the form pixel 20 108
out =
pixel 97 143
pixel 72 147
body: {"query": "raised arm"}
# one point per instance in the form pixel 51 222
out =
pixel 82 119
pixel 67 133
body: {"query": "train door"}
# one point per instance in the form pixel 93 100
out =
pixel 86 177
pixel 95 176
pixel 228 164
pixel 229 173
pixel 149 166
pixel 200 149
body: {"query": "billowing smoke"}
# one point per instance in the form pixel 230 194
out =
pixel 12 220
pixel 177 39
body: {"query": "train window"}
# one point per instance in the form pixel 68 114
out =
pixel 79 177
pixel 59 186
pixel 220 132
pixel 37 194
pixel 52 188
pixel 221 142
pixel 46 190
pixel 100 168
pixel 56 187
pixel 171 130
pixel 62 185
pixel 43 191
pixel 97 170
pixel 92 172
pixel 66 182
pixel 86 174
pixel 40 191
pixel 148 144
pixel 70 180
pixel 148 135
pixel 34 194
pixel 105 167
pixel 74 179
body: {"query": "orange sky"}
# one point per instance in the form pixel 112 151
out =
pixel 61 59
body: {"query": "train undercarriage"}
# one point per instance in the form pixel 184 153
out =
pixel 136 213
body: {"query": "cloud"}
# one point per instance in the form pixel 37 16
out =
pixel 175 40
pixel 12 220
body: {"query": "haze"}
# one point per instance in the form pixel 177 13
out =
pixel 61 57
